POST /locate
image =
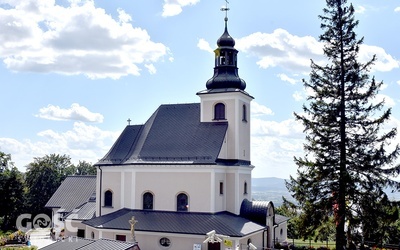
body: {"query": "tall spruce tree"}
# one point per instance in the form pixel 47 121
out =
pixel 346 160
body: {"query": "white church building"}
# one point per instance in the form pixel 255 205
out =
pixel 184 176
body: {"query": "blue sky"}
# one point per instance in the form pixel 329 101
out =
pixel 72 72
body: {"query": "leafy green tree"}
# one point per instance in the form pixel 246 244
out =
pixel 5 160
pixel 346 150
pixel 85 168
pixel 43 176
pixel 11 192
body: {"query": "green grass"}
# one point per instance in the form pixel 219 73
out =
pixel 312 243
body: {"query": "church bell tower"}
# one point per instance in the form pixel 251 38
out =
pixel 225 100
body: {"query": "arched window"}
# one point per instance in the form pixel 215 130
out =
pixel 245 188
pixel 148 201
pixel 108 197
pixel 244 113
pixel 182 203
pixel 219 111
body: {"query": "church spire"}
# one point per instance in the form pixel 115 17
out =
pixel 225 71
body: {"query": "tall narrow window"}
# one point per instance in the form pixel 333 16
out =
pixel 148 201
pixel 182 202
pixel 108 196
pixel 245 188
pixel 244 113
pixel 219 111
pixel 221 187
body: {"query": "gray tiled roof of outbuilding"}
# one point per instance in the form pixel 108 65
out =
pixel 177 222
pixel 75 243
pixel 280 218
pixel 173 134
pixel 107 244
pixel 73 192
pixel 68 244
pixel 85 212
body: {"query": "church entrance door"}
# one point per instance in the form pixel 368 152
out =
pixel 214 246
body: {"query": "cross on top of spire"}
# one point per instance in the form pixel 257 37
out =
pixel 226 9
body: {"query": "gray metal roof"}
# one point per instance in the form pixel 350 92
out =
pixel 280 219
pixel 173 134
pixel 75 243
pixel 85 212
pixel 256 211
pixel 177 222
pixel 107 244
pixel 73 192
pixel 68 244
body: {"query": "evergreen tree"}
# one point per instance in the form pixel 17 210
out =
pixel 346 160
pixel 290 210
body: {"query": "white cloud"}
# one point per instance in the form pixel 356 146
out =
pixel 397 9
pixel 287 128
pixel 298 96
pixel 384 62
pixel 293 53
pixel 82 142
pixel 398 82
pixel 75 112
pixel 273 145
pixel 286 78
pixel 204 45
pixel 389 102
pixel 123 16
pixel 40 36
pixel 174 7
pixel 360 9
pixel 150 67
pixel 259 110
pixel 282 49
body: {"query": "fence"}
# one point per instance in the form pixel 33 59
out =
pixel 310 244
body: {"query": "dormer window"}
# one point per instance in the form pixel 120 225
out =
pixel 219 111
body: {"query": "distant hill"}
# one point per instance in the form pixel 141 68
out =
pixel 272 189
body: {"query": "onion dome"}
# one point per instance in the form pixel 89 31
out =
pixel 226 40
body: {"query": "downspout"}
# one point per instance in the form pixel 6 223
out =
pixel 275 226
pixel 263 238
pixel 100 193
